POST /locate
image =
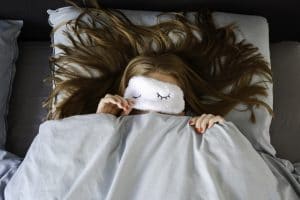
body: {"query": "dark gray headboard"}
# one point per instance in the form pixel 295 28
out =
pixel 283 16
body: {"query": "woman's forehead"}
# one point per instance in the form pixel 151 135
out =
pixel 163 77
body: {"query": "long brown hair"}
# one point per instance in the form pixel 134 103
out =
pixel 208 62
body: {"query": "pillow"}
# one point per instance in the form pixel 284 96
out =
pixel 26 112
pixel 252 28
pixel 9 31
pixel 285 135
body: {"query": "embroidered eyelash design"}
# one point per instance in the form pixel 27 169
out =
pixel 136 96
pixel 163 97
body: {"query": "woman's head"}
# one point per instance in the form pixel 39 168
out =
pixel 164 67
pixel 118 50
pixel 169 67
pixel 148 78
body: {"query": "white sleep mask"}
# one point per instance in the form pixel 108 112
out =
pixel 155 95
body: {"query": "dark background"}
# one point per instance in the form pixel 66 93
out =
pixel 283 16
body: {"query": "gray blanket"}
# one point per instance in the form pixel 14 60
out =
pixel 140 157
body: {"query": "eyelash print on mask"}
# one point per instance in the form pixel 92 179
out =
pixel 163 97
pixel 136 96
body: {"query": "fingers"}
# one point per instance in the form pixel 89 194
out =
pixel 131 103
pixel 205 121
pixel 203 124
pixel 197 122
pixel 114 103
pixel 123 102
pixel 215 120
pixel 129 107
pixel 126 112
pixel 113 100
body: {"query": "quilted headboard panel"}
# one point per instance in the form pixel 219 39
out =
pixel 283 16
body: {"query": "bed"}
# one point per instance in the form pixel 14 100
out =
pixel 25 112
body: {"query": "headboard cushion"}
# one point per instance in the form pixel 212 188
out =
pixel 281 16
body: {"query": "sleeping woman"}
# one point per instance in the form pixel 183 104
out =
pixel 154 83
pixel 209 65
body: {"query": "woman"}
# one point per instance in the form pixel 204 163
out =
pixel 210 61
pixel 166 68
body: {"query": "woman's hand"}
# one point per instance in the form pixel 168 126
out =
pixel 114 104
pixel 205 121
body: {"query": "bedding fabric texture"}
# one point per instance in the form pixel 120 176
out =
pixel 9 164
pixel 9 32
pixel 147 156
pixel 252 28
pixel 286 73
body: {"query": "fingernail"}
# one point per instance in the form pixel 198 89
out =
pixel 190 122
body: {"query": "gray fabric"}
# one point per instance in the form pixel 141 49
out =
pixel 288 175
pixel 285 126
pixel 148 156
pixel 9 164
pixel 26 112
pixel 9 31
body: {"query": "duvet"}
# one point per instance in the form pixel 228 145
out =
pixel 144 157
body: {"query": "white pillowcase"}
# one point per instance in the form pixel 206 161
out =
pixel 252 28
